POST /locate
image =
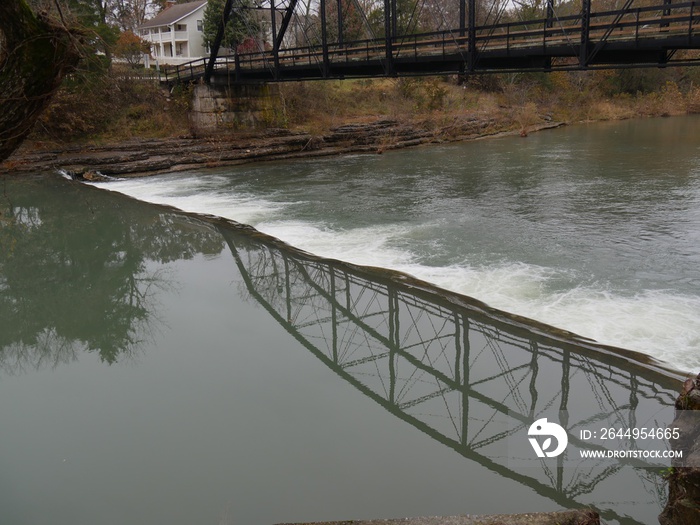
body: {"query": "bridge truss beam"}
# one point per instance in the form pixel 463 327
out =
pixel 326 45
pixel 467 379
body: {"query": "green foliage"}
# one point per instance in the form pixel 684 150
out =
pixel 408 20
pixel 242 23
pixel 667 473
pixel 353 22
pixel 92 16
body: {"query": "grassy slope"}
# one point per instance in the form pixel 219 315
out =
pixel 120 106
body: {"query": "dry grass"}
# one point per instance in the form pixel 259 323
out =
pixel 693 101
pixel 117 107
pixel 318 106
pixel 125 107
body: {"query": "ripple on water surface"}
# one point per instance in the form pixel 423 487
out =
pixel 592 239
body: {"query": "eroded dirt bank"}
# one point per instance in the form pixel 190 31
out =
pixel 152 156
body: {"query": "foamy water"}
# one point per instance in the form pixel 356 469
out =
pixel 611 260
pixel 662 324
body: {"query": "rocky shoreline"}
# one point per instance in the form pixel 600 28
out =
pixel 567 517
pixel 141 157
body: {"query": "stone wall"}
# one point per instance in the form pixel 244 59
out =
pixel 221 108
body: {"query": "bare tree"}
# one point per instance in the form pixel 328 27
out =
pixel 130 14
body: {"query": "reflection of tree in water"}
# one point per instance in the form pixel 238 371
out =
pixel 74 270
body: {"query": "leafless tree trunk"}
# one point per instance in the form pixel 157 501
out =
pixel 35 54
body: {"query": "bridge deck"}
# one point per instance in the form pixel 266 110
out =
pixel 643 36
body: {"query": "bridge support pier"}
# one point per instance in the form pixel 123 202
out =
pixel 217 108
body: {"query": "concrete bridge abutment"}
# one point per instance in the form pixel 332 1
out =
pixel 217 108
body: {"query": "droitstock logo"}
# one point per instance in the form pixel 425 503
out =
pixel 542 428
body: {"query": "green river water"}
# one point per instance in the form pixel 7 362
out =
pixel 158 367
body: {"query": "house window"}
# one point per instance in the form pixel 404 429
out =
pixel 200 26
pixel 181 27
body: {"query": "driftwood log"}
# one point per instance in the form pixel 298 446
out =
pixel 36 52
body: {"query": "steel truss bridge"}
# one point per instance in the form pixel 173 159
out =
pixel 630 35
pixel 471 379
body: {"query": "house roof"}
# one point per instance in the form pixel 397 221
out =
pixel 173 14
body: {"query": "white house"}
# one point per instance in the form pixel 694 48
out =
pixel 176 33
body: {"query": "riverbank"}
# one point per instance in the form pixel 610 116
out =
pixel 157 155
pixel 568 517
pixel 133 127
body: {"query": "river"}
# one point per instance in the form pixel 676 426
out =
pixel 593 229
pixel 166 367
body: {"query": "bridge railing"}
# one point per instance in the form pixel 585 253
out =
pixel 621 25
pixel 187 71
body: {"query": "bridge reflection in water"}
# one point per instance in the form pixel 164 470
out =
pixel 467 377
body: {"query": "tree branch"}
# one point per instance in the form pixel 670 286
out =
pixel 37 54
